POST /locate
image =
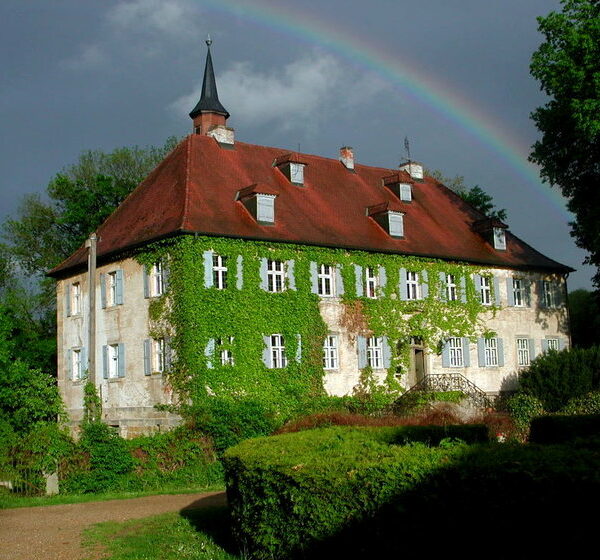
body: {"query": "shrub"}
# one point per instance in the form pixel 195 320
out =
pixel 352 493
pixel 557 377
pixel 563 429
pixel 587 404
pixel 523 408
pixel 228 422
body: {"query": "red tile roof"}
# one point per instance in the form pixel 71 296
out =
pixel 194 190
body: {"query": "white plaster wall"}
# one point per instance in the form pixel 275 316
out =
pixel 129 401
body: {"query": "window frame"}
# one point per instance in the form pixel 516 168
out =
pixel 491 352
pixel 273 276
pixel 156 279
pixel 323 277
pixel 225 354
pixel 456 352
pixel 76 298
pixel 413 285
pixel 278 359
pixel 451 287
pixel 519 292
pixel 522 345
pixel 549 293
pixel 553 344
pixel 372 282
pixel 485 290
pixel 331 352
pixel 76 364
pixel 220 271
pixel 111 288
pixel 113 358
pixel 375 352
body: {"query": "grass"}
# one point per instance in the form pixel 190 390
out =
pixel 201 534
pixel 11 501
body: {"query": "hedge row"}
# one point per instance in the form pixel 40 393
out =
pixel 564 429
pixel 353 492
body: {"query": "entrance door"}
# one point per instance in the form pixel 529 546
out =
pixel 417 360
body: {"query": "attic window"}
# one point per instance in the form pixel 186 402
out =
pixel 259 200
pixel 265 208
pixel 405 192
pixel 391 220
pixel 396 224
pixel 499 239
pixel 292 167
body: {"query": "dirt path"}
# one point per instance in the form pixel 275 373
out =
pixel 54 532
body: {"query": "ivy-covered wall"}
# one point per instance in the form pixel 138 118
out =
pixel 194 316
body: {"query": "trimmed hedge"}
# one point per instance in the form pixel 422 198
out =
pixel 564 429
pixel 353 493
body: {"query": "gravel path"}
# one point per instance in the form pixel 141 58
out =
pixel 54 532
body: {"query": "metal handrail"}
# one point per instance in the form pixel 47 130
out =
pixel 444 382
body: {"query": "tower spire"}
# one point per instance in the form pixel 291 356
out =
pixel 209 111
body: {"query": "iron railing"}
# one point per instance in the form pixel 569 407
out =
pixel 446 382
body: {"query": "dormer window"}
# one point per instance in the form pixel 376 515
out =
pixel 389 218
pixel 259 200
pixel 292 166
pixel 499 239
pixel 493 230
pixel 400 184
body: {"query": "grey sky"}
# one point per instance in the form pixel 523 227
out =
pixel 103 74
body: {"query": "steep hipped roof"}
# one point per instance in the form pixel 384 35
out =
pixel 194 191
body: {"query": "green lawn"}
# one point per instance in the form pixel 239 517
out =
pixel 11 501
pixel 202 534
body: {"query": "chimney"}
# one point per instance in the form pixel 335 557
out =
pixel 347 157
pixel 208 112
pixel 414 169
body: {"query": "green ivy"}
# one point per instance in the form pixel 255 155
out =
pixel 191 315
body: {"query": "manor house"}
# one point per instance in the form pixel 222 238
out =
pixel 239 268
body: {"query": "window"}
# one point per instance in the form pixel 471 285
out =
pixel 552 344
pixel 491 351
pixel 275 276
pixel 277 351
pixel 405 192
pixel 451 294
pixel 75 298
pixel 523 354
pixel 396 224
pixel 158 355
pixel 330 352
pixel 519 292
pixel 412 285
pixel 77 364
pixel 549 293
pixel 297 173
pixel 326 280
pixel 225 352
pixel 456 352
pixel 111 288
pixel 219 268
pixel 375 352
pixel 372 282
pixel 499 239
pixel 156 280
pixel 113 360
pixel 485 290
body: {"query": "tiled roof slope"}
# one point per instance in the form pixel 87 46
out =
pixel 194 190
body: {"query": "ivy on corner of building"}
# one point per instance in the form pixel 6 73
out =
pixel 202 322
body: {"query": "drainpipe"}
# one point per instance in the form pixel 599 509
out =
pixel 91 245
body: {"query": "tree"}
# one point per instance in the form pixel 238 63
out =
pixel 79 199
pixel 584 315
pixel 567 65
pixel 475 196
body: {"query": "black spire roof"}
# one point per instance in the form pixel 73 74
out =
pixel 209 100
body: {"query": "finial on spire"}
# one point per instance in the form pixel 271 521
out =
pixel 208 40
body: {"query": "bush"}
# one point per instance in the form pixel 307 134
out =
pixel 563 429
pixel 557 377
pixel 588 404
pixel 228 422
pixel 523 408
pixel 352 493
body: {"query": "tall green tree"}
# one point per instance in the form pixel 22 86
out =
pixel 475 196
pixel 567 65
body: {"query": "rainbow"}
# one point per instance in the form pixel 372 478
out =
pixel 411 81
